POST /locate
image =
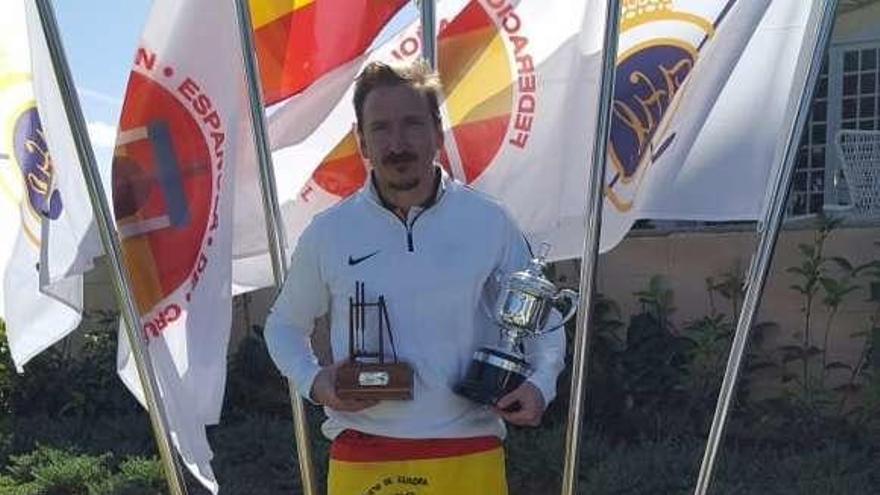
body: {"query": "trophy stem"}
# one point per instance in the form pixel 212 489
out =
pixel 510 341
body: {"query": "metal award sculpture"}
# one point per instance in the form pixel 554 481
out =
pixel 369 375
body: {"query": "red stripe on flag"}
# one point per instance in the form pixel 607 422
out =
pixel 297 49
pixel 341 176
pixel 354 446
pixel 478 142
pixel 472 18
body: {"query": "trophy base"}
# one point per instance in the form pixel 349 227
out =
pixel 374 381
pixel 491 375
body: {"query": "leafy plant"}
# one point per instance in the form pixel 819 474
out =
pixel 708 344
pixel 7 373
pixel 810 272
pixel 646 370
pixel 254 383
pixel 75 377
pixel 730 285
pixel 865 374
pixel 606 342
pixel 47 470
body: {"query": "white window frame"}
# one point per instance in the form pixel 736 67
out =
pixel 835 196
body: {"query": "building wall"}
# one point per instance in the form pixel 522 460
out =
pixel 858 25
pixel 686 259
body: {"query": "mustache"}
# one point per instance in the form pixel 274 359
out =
pixel 395 158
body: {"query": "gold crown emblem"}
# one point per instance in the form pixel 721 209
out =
pixel 631 10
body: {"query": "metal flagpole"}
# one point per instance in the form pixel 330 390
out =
pixel 110 241
pixel 428 11
pixel 274 228
pixel 769 233
pixel 590 257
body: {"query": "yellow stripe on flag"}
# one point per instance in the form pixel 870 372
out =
pixel 266 11
pixel 144 276
pixel 491 77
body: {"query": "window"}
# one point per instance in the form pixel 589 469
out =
pixel 808 183
pixel 859 101
pixel 847 96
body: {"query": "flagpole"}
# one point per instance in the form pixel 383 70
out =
pixel 110 241
pixel 769 233
pixel 428 11
pixel 590 257
pixel 274 229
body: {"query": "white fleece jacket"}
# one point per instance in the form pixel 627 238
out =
pixel 436 271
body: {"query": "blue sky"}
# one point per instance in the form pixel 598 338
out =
pixel 99 39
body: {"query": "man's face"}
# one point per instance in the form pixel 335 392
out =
pixel 399 137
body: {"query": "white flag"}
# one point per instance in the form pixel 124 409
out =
pixel 50 237
pixel 703 89
pixel 518 78
pixel 184 137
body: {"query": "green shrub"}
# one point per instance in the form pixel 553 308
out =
pixel 259 456
pixel 7 374
pixel 62 383
pixel 253 382
pixel 535 459
pixel 51 471
pixel 135 476
pixel 127 435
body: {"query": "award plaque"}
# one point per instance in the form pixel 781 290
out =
pixel 521 311
pixel 369 374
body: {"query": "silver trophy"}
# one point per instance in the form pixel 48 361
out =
pixel 522 310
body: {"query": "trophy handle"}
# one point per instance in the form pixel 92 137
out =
pixel 573 299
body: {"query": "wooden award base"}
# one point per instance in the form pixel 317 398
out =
pixel 374 381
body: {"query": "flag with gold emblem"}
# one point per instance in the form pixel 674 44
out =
pixel 684 145
pixel 49 236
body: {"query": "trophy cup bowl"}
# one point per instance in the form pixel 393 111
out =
pixel 521 311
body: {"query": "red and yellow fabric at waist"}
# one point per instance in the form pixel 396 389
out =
pixel 362 464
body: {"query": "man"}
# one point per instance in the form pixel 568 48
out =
pixel 435 250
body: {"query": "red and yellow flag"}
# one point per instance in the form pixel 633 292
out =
pixel 298 41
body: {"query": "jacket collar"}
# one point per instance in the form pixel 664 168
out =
pixel 371 192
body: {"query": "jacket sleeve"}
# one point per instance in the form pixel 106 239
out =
pixel 546 352
pixel 304 297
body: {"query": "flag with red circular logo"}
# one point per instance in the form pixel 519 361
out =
pixel 184 137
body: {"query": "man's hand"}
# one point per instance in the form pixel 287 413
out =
pixel 324 392
pixel 528 404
